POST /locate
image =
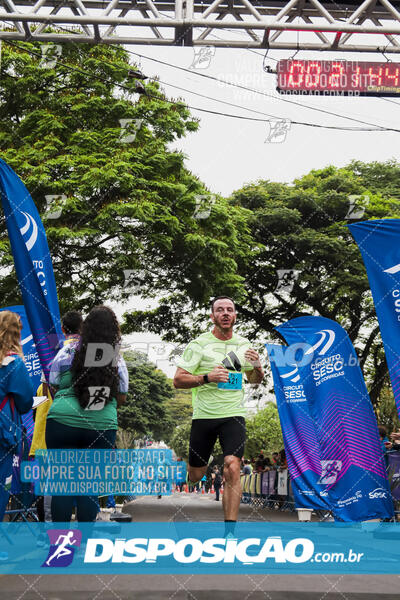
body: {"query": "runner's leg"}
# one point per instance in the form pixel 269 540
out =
pixel 232 489
pixel 232 435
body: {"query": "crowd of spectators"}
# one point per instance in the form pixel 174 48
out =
pixel 262 463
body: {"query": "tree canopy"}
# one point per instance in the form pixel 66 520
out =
pixel 302 228
pixel 180 407
pixel 130 216
pixel 146 409
pixel 263 431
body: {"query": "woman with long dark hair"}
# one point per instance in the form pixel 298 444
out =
pixel 16 398
pixel 84 410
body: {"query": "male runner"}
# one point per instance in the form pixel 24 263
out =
pixel 213 365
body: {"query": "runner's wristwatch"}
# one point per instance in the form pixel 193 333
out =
pixel 205 379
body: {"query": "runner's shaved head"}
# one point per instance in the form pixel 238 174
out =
pixel 221 298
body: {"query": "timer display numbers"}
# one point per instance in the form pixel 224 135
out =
pixel 338 77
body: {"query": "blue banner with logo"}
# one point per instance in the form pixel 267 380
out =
pixel 378 242
pixel 299 435
pixel 351 454
pixel 186 547
pixel 32 264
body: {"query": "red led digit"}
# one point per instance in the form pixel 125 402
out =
pixel 336 74
pixel 296 74
pixel 338 77
pixel 355 79
pixel 313 79
pixel 394 78
pixel 372 76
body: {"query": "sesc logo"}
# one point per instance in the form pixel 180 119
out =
pixel 325 367
pixel 293 375
pixel 63 543
pixel 293 393
pixel 327 338
pixel 378 493
pixel 393 270
pixel 29 223
pixel 191 550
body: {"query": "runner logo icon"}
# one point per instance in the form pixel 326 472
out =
pixel 63 543
pixel 330 471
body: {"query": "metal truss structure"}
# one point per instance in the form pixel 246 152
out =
pixel 369 26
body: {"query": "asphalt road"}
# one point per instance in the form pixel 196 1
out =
pixel 196 507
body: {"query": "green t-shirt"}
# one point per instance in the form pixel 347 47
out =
pixel 200 357
pixel 67 410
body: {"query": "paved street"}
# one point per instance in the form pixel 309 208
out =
pixel 197 507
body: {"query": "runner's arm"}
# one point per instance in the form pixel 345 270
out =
pixel 123 381
pixel 184 380
pixel 120 399
pixel 256 375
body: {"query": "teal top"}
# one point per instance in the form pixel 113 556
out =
pixel 99 414
pixel 67 410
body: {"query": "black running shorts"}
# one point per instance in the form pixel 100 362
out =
pixel 231 432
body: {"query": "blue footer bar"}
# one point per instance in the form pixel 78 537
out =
pixel 184 547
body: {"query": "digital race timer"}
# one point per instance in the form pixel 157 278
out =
pixel 341 77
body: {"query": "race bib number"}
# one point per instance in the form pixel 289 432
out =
pixel 234 382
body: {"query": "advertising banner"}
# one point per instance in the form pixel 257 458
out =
pixel 352 461
pixel 299 436
pixel 32 264
pixel 378 242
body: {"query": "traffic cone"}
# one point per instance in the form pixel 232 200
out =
pixel 212 489
pixel 222 490
pixel 203 491
pixel 185 488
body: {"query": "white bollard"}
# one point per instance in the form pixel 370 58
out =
pixel 304 514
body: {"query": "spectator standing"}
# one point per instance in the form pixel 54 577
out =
pixel 84 410
pixel 71 325
pixel 282 460
pixel 247 469
pixel 217 481
pixel 16 398
pixel 386 445
pixel 260 463
pixel 275 460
